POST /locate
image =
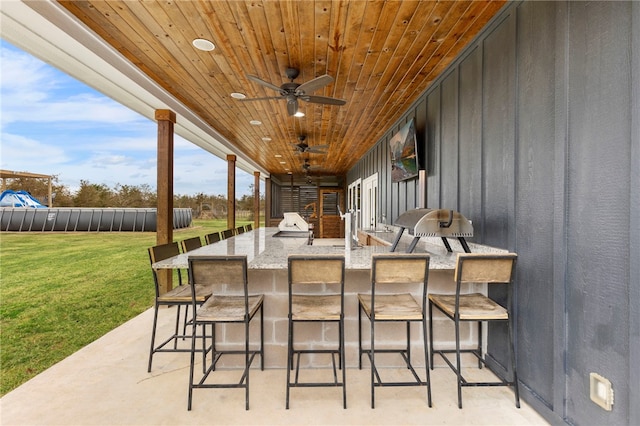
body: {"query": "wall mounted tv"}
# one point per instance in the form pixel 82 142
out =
pixel 404 153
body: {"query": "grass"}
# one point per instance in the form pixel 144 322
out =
pixel 61 291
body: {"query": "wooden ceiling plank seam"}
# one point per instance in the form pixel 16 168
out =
pixel 127 17
pixel 383 107
pixel 311 19
pixel 257 16
pixel 363 21
pixel 177 45
pixel 463 26
pixel 290 23
pixel 95 20
pixel 253 109
pixel 482 18
pixel 396 115
pixel 205 69
pixel 356 25
pixel 334 53
pixel 362 90
pixel 377 82
pixel 268 112
pixel 368 109
pixel 291 129
pixel 436 15
pixel 196 18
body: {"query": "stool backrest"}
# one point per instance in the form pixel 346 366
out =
pixel 212 237
pixel 394 268
pixel 327 269
pixel 485 268
pixel 191 244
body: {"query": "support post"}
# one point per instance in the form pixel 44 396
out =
pixel 231 191
pixel 256 200
pixel 267 202
pixel 164 216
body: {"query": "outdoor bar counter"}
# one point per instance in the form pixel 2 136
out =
pixel 267 261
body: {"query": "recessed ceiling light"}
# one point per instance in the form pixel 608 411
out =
pixel 289 173
pixel 266 139
pixel 203 44
pixel 283 162
pixel 299 114
pixel 255 122
pixel 278 156
pixel 236 95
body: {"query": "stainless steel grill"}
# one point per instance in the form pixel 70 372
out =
pixel 433 223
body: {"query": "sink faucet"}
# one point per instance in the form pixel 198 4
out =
pixel 384 222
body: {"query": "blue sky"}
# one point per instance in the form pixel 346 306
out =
pixel 52 124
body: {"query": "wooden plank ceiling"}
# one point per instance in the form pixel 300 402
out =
pixel 381 54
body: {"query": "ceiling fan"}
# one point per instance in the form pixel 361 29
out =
pixel 307 167
pixel 292 92
pixel 302 147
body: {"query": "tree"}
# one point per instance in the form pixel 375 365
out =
pixel 93 195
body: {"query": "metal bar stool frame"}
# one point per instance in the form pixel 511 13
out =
pixel 389 270
pixel 470 269
pixel 179 296
pixel 224 307
pixel 316 271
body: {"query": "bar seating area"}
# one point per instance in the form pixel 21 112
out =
pixel 131 394
pixel 336 289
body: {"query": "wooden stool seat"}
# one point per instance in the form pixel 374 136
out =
pixel 401 307
pixel 474 306
pixel 316 307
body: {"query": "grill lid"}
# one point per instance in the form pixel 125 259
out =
pixel 433 223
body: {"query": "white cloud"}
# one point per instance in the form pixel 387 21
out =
pixel 52 124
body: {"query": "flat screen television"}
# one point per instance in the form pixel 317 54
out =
pixel 404 153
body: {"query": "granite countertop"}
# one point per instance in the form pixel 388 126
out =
pixel 264 251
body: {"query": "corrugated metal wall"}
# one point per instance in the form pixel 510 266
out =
pixel 533 134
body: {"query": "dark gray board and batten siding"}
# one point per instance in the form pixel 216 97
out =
pixel 533 133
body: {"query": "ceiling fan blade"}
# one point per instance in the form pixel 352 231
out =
pixel 264 83
pixel 323 100
pixel 268 98
pixel 314 84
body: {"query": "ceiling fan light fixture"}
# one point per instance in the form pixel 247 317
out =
pixel 299 114
pixel 203 44
pixel 237 95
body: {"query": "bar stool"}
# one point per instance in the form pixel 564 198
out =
pixel 477 268
pixel 190 244
pixel 179 296
pixel 388 273
pixel 316 294
pixel 230 303
pixel 211 238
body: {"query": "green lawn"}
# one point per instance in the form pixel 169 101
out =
pixel 61 291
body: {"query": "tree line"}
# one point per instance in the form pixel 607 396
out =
pixel 141 196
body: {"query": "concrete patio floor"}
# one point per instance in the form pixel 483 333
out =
pixel 106 383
